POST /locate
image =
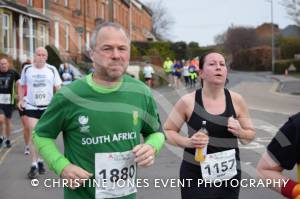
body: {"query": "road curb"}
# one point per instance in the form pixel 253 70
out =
pixel 279 86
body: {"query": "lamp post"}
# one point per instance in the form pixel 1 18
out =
pixel 130 19
pixel 272 32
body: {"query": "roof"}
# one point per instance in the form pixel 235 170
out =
pixel 143 6
pixel 29 11
pixel 291 31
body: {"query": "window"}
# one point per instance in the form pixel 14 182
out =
pixel 33 36
pixel 102 10
pixel 66 3
pixel 67 37
pixel 43 35
pixel 5 32
pixel 29 2
pixel 87 44
pixel 115 11
pixel 78 4
pixel 44 6
pixel 79 42
pixel 56 34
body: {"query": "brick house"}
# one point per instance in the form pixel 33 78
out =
pixel 23 27
pixel 66 24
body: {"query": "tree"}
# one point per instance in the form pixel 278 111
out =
pixel 220 38
pixel 193 44
pixel 180 49
pixel 162 22
pixel 293 9
pixel 238 38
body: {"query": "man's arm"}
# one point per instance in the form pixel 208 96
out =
pixel 20 93
pixel 58 162
pixel 267 168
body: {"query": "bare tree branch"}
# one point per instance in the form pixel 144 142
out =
pixel 162 21
pixel 293 9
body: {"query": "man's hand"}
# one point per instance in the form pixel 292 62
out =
pixel 145 155
pixel 21 104
pixel 74 173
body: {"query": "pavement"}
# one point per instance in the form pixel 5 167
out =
pixel 287 84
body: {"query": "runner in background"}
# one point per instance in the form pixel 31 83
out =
pixel 167 66
pixel 148 74
pixel 177 73
pixel 9 78
pixel 186 73
pixel 66 74
pixel 193 75
pixel 41 80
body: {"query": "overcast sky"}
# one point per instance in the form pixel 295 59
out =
pixel 202 20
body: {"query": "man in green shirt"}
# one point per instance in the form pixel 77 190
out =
pixel 102 118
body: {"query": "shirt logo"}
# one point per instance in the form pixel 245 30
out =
pixel 135 117
pixel 83 122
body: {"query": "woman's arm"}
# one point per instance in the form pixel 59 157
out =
pixel 242 126
pixel 177 117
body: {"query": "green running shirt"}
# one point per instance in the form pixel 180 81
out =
pixel 97 120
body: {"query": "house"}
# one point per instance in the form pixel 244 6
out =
pixel 24 27
pixel 265 30
pixel 290 31
pixel 66 24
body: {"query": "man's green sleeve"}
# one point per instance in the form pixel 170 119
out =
pixel 156 140
pixel 49 151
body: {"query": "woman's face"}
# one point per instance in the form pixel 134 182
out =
pixel 214 70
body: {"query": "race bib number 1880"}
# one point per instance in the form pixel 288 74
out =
pixel 118 170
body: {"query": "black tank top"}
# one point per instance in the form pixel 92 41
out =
pixel 220 139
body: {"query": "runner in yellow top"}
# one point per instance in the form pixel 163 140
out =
pixel 168 69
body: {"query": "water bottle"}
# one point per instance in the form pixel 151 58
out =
pixel 200 153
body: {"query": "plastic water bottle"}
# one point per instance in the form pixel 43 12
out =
pixel 200 153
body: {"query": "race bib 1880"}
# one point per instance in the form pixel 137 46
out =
pixel 118 170
pixel 221 165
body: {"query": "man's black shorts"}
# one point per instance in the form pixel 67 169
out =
pixel 7 110
pixel 34 113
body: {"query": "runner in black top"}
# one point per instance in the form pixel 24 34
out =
pixel 282 153
pixel 8 79
pixel 227 119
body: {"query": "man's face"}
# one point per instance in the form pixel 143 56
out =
pixel 111 54
pixel 4 65
pixel 40 57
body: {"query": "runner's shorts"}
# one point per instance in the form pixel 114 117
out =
pixel 7 110
pixel 35 113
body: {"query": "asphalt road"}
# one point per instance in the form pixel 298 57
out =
pixel 269 110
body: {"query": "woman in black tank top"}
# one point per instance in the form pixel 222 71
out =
pixel 227 121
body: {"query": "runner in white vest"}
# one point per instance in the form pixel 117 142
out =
pixel 42 80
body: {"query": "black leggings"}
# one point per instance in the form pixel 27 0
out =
pixel 195 191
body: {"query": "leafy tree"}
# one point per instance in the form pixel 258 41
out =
pixel 180 49
pixel 238 38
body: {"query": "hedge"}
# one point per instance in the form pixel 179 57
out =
pixel 253 59
pixel 281 65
